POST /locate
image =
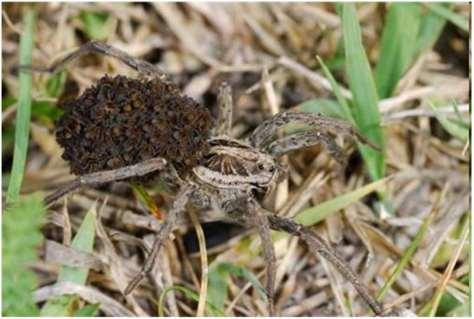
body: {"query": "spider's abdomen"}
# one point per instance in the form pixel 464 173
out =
pixel 122 121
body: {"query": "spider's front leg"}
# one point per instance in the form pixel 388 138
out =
pixel 268 129
pixel 103 177
pixel 141 66
pixel 178 207
pixel 224 101
pixel 299 140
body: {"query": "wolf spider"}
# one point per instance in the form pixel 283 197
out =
pixel 234 175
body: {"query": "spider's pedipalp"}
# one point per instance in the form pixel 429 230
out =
pixel 141 66
pixel 136 170
pixel 178 207
pixel 268 129
pixel 224 101
pixel 299 140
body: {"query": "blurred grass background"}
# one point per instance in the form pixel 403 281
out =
pixel 399 72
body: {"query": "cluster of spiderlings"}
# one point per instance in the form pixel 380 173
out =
pixel 122 121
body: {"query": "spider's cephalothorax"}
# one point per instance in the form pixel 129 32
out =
pixel 233 171
pixel 222 173
pixel 235 165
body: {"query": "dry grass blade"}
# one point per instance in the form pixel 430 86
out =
pixel 448 272
pixel 116 266
pixel 108 305
pixel 67 256
pixel 204 264
pixel 413 246
pixel 266 38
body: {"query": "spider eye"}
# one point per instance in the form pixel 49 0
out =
pixel 261 166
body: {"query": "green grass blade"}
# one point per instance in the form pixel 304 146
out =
pixel 456 19
pixel 191 294
pixel 88 311
pixel 406 257
pixel 459 117
pixel 459 131
pixel 95 24
pixel 314 215
pixel 83 241
pixel 323 106
pixel 431 27
pixel 21 237
pixel 398 45
pixel 366 113
pixel 463 310
pixel 56 83
pixel 448 304
pixel 218 283
pixel 60 306
pixel 24 110
pixel 440 290
pixel 337 61
pixel 66 305
pixel 344 106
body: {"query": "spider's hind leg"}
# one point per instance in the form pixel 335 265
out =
pixel 319 246
pixel 224 101
pixel 177 208
pixel 141 66
pixel 260 221
pixel 136 170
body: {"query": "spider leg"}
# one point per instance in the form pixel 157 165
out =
pixel 177 208
pixel 260 221
pixel 268 129
pixel 102 177
pixel 224 100
pixel 299 140
pixel 319 245
pixel 143 67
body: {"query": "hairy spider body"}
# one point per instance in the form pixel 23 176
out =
pixel 230 175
